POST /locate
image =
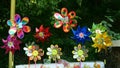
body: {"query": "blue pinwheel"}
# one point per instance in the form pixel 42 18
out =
pixel 81 35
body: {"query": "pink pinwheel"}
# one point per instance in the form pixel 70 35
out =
pixel 66 19
pixel 11 44
pixel 18 26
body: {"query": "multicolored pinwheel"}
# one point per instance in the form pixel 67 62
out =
pixel 102 41
pixel 33 52
pixel 18 26
pixel 81 34
pixel 97 28
pixel 42 33
pixel 54 52
pixel 11 44
pixel 80 53
pixel 66 19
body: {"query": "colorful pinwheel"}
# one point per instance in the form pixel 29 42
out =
pixel 18 26
pixel 97 28
pixel 66 19
pixel 11 44
pixel 80 53
pixel 81 34
pixel 101 41
pixel 34 52
pixel 54 52
pixel 42 33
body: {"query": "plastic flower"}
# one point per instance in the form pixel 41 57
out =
pixel 101 41
pixel 28 49
pixel 79 53
pixel 42 33
pixel 11 44
pixel 36 53
pixel 97 28
pixel 54 52
pixel 18 26
pixel 66 19
pixel 81 34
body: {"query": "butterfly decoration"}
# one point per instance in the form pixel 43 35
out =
pixel 79 53
pixel 18 26
pixel 42 34
pixel 65 19
pixel 54 52
pixel 11 44
pixel 81 35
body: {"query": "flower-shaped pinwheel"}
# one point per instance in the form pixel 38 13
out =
pixel 42 33
pixel 34 52
pixel 101 41
pixel 18 26
pixel 66 19
pixel 54 52
pixel 80 53
pixel 97 28
pixel 81 34
pixel 28 49
pixel 11 44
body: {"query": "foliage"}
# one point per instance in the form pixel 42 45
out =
pixel 41 12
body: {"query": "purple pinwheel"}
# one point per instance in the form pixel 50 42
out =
pixel 81 34
pixel 11 44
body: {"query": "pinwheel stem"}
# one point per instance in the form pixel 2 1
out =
pixel 80 64
pixel 12 14
pixel 28 62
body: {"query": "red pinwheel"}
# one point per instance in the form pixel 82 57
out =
pixel 18 26
pixel 66 19
pixel 42 33
pixel 11 44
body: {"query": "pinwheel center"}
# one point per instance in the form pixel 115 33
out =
pixel 10 44
pixel 30 47
pixel 66 19
pixel 100 40
pixel 80 52
pixel 41 34
pixel 98 31
pixel 81 35
pixel 35 53
pixel 54 52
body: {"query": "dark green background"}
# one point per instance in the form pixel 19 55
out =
pixel 41 13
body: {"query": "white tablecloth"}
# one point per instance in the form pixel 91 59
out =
pixel 53 65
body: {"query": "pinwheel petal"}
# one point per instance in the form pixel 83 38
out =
pixel 17 18
pixel 26 29
pixel 12 30
pixel 58 24
pixel 25 20
pixel 66 28
pixel 58 16
pixel 72 14
pixel 20 33
pixel 73 23
pixel 11 23
pixel 64 11
pixel 75 56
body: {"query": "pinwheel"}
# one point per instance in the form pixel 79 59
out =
pixel 33 52
pixel 18 26
pixel 54 52
pixel 66 19
pixel 42 33
pixel 101 41
pixel 97 28
pixel 79 53
pixel 11 44
pixel 81 35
